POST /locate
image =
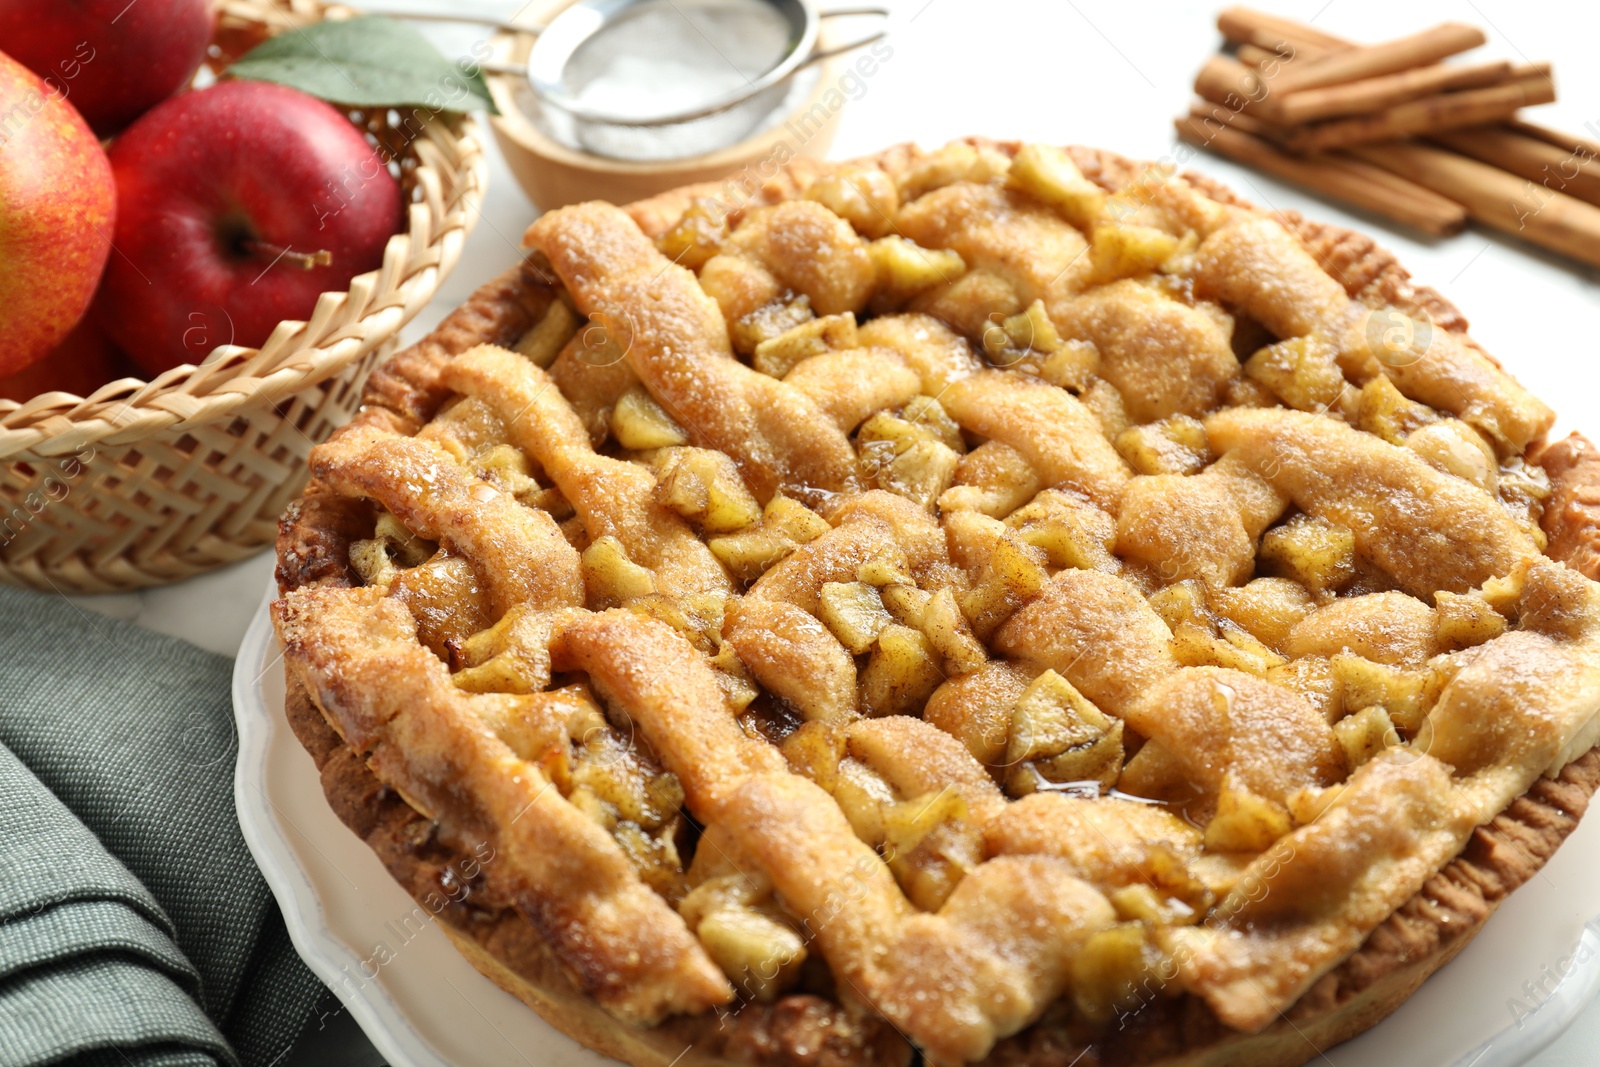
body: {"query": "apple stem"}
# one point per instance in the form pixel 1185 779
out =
pixel 303 260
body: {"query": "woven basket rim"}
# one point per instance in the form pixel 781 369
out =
pixel 340 330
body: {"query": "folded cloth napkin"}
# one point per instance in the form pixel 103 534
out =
pixel 134 926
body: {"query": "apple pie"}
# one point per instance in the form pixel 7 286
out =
pixel 1002 605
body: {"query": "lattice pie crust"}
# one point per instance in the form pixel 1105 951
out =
pixel 1002 605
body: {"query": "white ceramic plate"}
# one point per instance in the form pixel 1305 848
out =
pixel 1508 995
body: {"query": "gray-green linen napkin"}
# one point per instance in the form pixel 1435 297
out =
pixel 134 926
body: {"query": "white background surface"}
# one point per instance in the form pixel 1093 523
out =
pixel 1114 75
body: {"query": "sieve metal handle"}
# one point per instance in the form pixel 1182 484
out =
pixel 490 66
pixel 451 16
pixel 497 67
pixel 838 50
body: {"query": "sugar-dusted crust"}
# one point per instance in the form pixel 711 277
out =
pixel 1421 936
pixel 1572 513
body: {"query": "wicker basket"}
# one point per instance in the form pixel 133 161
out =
pixel 144 483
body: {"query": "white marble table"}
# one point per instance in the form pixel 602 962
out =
pixel 1092 72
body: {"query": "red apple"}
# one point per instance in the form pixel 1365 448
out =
pixel 82 363
pixel 57 209
pixel 113 59
pixel 237 206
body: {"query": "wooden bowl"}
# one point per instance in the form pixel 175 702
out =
pixel 554 175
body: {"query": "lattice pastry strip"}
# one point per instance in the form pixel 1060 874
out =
pixel 1428 530
pixel 776 435
pixel 1052 430
pixel 775 629
pixel 1257 265
pixel 357 651
pixel 614 498
pixel 519 552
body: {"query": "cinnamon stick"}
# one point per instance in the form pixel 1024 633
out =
pixel 1537 210
pixel 1574 171
pixel 1252 55
pixel 1224 80
pixel 1348 180
pixel 1444 111
pixel 1570 142
pixel 1248 26
pixel 1375 94
pixel 1513 205
pixel 1266 59
pixel 1207 112
pixel 1370 61
pixel 1211 115
pixel 1534 77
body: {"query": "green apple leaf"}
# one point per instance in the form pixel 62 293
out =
pixel 369 61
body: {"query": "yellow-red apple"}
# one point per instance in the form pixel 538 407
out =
pixel 57 211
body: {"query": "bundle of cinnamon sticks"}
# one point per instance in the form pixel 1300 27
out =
pixel 1394 129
